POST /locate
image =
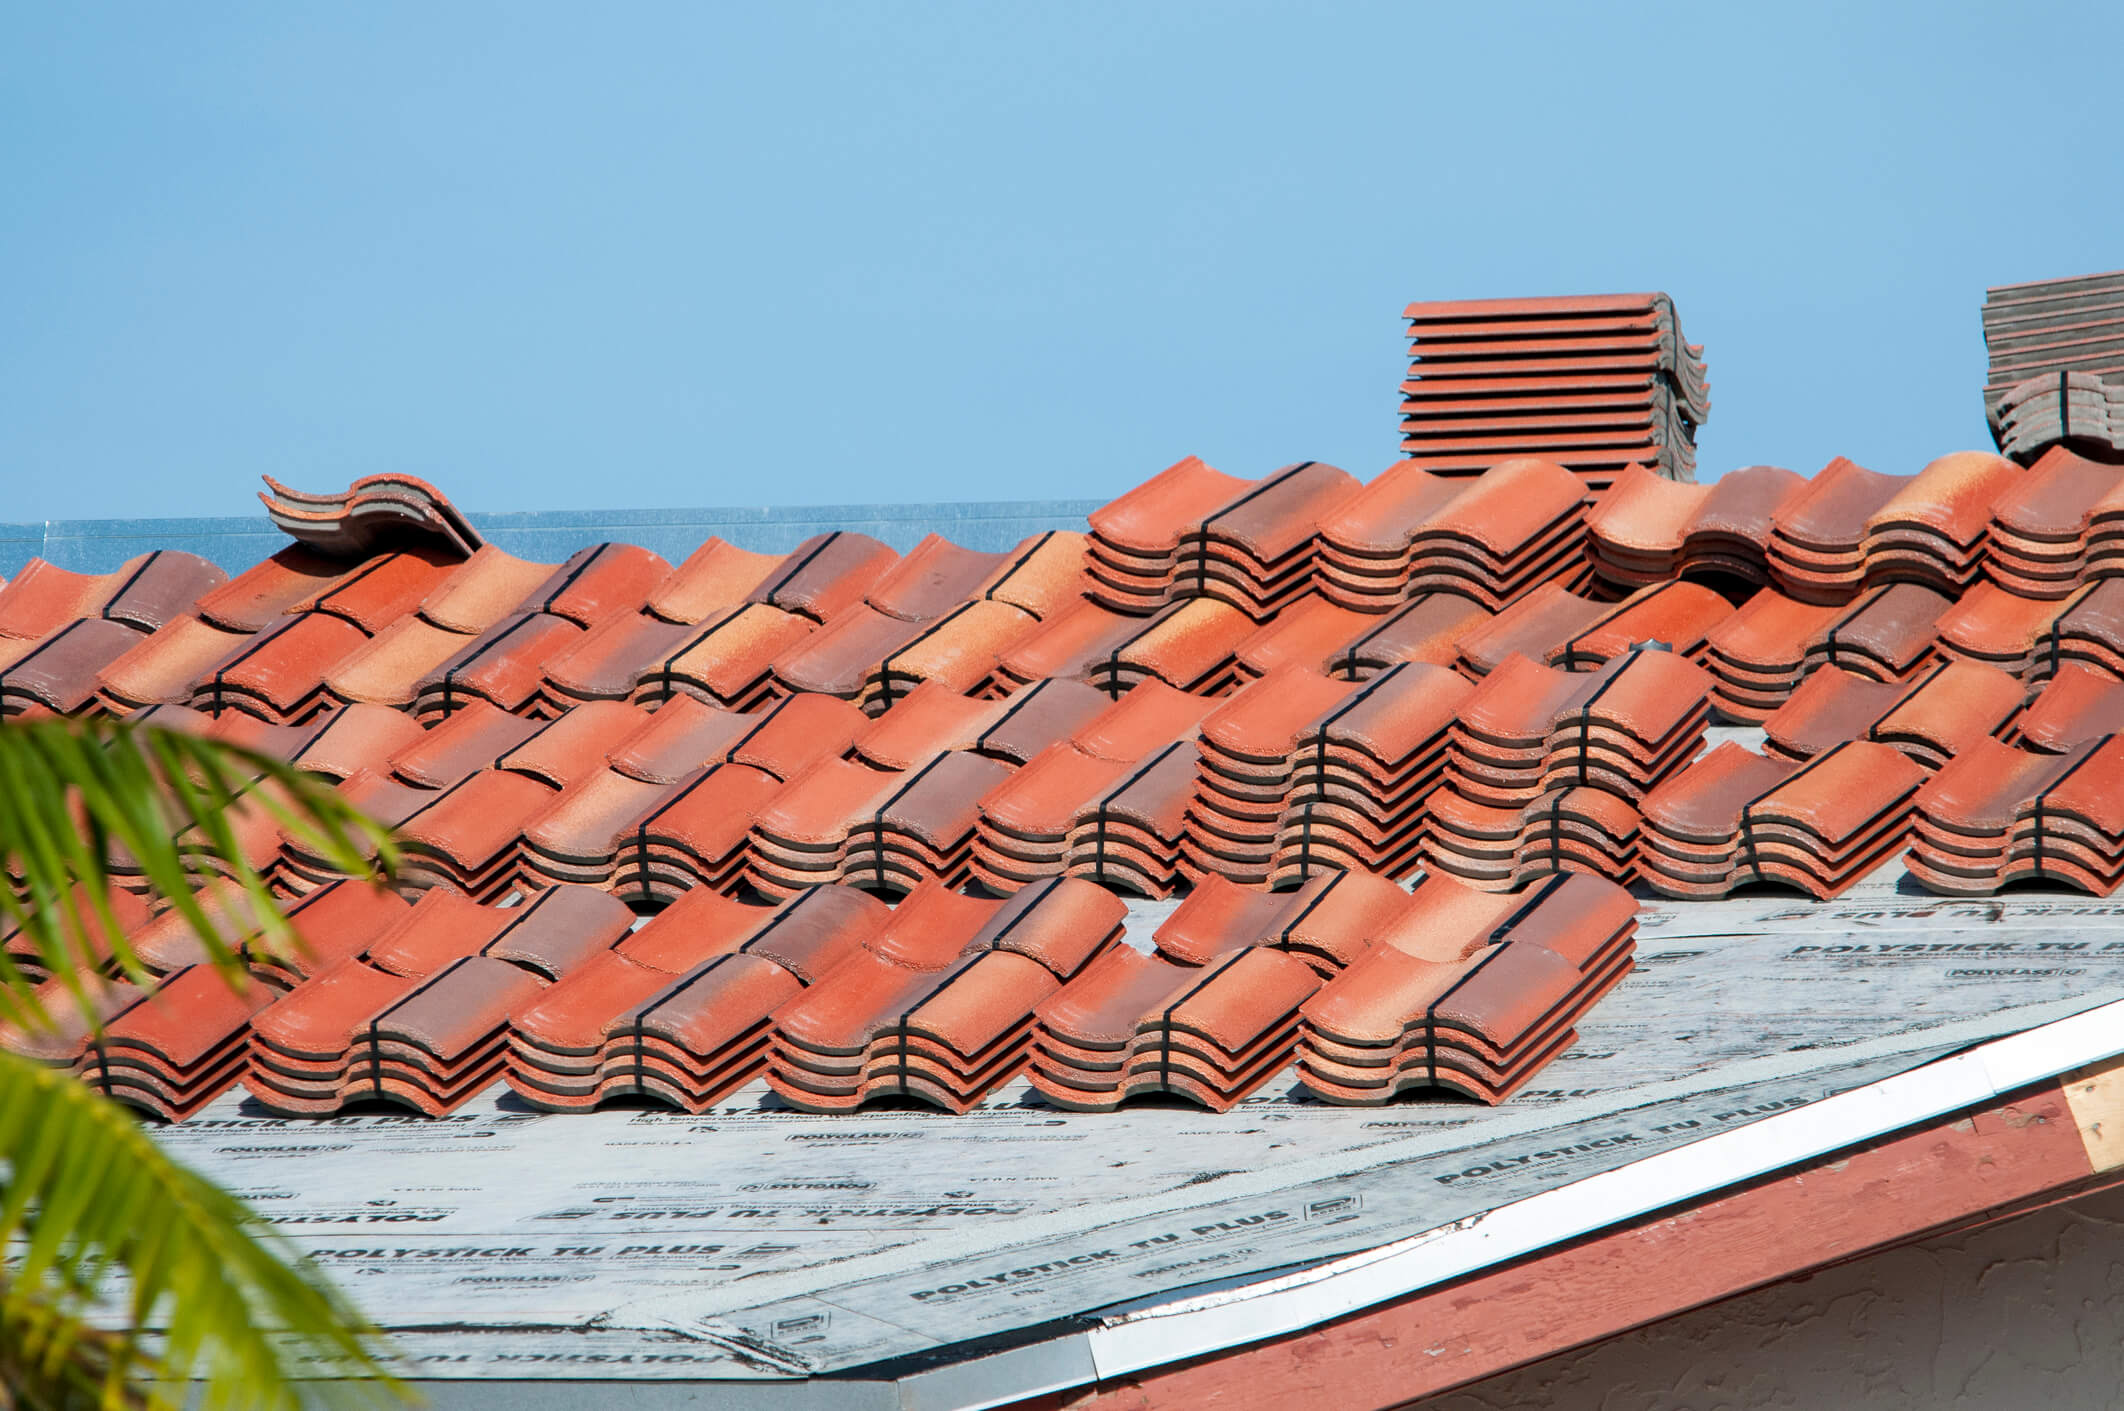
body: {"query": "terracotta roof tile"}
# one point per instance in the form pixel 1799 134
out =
pixel 374 513
pixel 597 583
pixel 256 598
pixel 505 665
pixel 1679 616
pixel 1992 625
pixel 382 589
pixel 699 925
pixel 1888 633
pixel 1309 633
pixel 279 674
pixel 1538 626
pixel 1148 521
pixel 388 669
pixel 1379 520
pixel 440 927
pixel 1212 1034
pixel 933 577
pixel 726 658
pixel 1639 524
pixel 2077 704
pixel 1189 646
pixel 607 662
pixel 1731 533
pixel 1428 628
pixel 930 718
pixel 574 747
pixel 797 733
pixel 164 666
pixel 72 1018
pixel 960 649
pixel 358 737
pixel 714 578
pixel 838 658
pixel 1043 575
pixel 470 836
pixel 486 590
pixel 800 838
pixel 61 671
pixel 826 575
pixel 470 740
pixel 684 735
pixel 1023 830
pixel 44 597
pixel 696 837
pixel 1067 644
pixel 1830 707
pixel 923 829
pixel 577 839
pixel 1949 709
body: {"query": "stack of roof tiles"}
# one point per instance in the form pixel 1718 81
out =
pixel 1468 992
pixel 938 1005
pixel 1735 816
pixel 1997 814
pixel 1211 1014
pixel 167 1051
pixel 1225 685
pixel 679 1011
pixel 1596 384
pixel 421 1018
pixel 1531 733
pixel 1520 523
pixel 2057 366
pixel 1192 532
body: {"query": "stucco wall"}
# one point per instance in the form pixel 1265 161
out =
pixel 2023 1316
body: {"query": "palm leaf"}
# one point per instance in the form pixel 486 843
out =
pixel 105 1235
pixel 71 790
pixel 87 1190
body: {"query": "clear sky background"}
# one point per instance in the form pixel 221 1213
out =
pixel 688 255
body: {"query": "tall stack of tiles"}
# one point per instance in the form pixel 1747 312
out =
pixel 2057 366
pixel 1596 383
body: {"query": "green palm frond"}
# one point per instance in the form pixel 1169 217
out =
pixel 73 792
pixel 127 1280
pixel 87 1192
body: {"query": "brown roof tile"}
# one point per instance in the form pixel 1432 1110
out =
pixel 714 578
pixel 826 575
pixel 486 590
pixel 256 598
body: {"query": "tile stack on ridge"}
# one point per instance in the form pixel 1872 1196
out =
pixel 1735 817
pixel 1211 1014
pixel 2038 543
pixel 938 1005
pixel 374 510
pixel 1996 814
pixel 2057 366
pixel 1530 734
pixel 1489 539
pixel 1468 991
pixel 1647 529
pixel 166 1052
pixel 1191 532
pixel 1596 383
pixel 422 1017
pixel 680 1010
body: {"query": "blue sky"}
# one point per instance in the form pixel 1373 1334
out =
pixel 646 255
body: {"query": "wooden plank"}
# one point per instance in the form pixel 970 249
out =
pixel 1955 1172
pixel 2096 1097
